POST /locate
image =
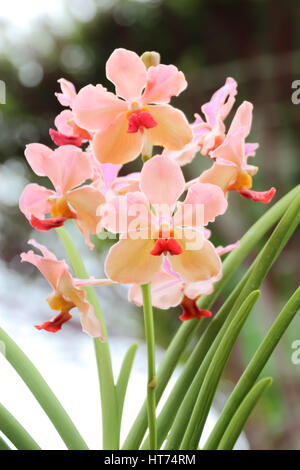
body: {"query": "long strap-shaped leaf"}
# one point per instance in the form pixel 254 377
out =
pixel 213 375
pixel 42 392
pixel 263 263
pixel 15 432
pixel 123 378
pixel 188 329
pixel 242 414
pixel 209 340
pixel 3 445
pixel 254 368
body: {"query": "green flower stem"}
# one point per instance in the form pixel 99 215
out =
pixel 152 380
pixel 44 395
pixel 254 368
pixel 187 330
pixel 109 404
pixel 239 420
pixel 15 432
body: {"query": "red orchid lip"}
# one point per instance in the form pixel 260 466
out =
pixel 166 245
pixel 56 324
pixel 258 196
pixel 47 224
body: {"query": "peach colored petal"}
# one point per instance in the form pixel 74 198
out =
pixel 127 72
pixel 115 145
pixel 172 130
pixel 162 180
pixel 35 201
pixel 120 213
pixel 193 289
pixel 203 200
pixel 197 265
pixel 86 201
pixel 62 122
pixel 164 81
pixel 232 149
pixel 220 174
pixel 166 291
pixel 90 324
pixel 222 250
pixel 95 108
pixel 184 156
pixel 129 261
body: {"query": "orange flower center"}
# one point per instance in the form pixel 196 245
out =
pixel 61 208
pixel 243 181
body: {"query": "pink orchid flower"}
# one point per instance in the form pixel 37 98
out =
pixel 168 289
pixel 67 167
pixel 68 132
pixel 146 237
pixel 231 170
pixel 208 133
pixel 138 113
pixel 66 294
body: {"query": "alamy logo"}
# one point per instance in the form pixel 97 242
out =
pixel 296 94
pixel 2 92
pixel 296 354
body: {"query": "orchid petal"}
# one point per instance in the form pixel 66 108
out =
pixel 164 81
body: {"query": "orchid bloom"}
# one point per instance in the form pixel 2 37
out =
pixel 168 289
pixel 208 134
pixel 231 170
pixel 68 132
pixel 67 167
pixel 139 113
pixel 66 294
pixel 147 237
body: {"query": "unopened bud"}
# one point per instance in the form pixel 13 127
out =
pixel 150 58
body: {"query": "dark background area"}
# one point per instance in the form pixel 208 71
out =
pixel 255 42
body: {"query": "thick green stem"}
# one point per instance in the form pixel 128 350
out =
pixel 15 432
pixel 152 380
pixel 109 405
pixel 44 395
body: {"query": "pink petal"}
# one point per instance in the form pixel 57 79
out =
pixel 172 130
pixel 110 173
pixel 232 149
pixel 258 196
pixel 68 92
pixel 48 265
pixel 242 119
pixel 62 122
pixel 203 200
pixel 69 167
pixel 129 261
pixel 115 145
pixel 164 81
pixel 162 180
pixel 95 108
pixel 35 201
pixel 222 250
pixel 184 156
pixel 127 72
pixel 38 156
pixel 166 291
pixel 221 102
pixel 197 265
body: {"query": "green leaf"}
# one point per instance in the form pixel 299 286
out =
pixel 188 329
pixel 254 368
pixel 123 378
pixel 15 432
pixel 242 414
pixel 209 340
pixel 213 375
pixel 3 445
pixel 42 392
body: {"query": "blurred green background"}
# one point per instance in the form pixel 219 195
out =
pixel 255 42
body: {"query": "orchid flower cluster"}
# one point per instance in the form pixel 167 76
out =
pixel 159 219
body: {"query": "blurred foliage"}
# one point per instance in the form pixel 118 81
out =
pixel 256 42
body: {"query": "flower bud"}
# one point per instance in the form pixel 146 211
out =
pixel 150 58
